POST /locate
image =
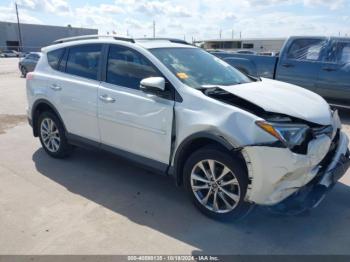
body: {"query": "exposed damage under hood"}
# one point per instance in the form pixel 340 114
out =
pixel 268 97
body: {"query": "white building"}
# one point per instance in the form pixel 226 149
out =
pixel 253 44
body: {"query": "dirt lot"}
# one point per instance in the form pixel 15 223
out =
pixel 96 203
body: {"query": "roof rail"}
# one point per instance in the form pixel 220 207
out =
pixel 87 37
pixel 173 40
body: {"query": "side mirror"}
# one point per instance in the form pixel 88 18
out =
pixel 153 85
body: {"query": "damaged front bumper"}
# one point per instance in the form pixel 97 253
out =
pixel 314 192
pixel 281 177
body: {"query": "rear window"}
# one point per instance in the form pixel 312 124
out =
pixel 306 49
pixel 84 61
pixel 54 57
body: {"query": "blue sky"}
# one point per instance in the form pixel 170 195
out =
pixel 199 19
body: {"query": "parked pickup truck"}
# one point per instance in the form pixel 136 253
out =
pixel 320 64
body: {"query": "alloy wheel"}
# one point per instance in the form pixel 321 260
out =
pixel 215 186
pixel 50 135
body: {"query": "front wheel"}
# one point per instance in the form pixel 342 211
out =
pixel 217 183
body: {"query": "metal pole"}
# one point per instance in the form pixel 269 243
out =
pixel 19 30
pixel 154 29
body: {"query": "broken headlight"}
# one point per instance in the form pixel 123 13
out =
pixel 290 135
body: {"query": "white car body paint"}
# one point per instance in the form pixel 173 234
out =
pixel 275 173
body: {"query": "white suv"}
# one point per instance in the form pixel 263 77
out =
pixel 232 140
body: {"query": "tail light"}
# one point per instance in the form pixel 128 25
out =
pixel 29 76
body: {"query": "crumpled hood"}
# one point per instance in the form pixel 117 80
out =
pixel 279 97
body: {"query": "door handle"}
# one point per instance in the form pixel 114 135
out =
pixel 107 99
pixel 329 69
pixel 287 65
pixel 55 87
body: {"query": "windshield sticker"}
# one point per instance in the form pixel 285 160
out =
pixel 182 75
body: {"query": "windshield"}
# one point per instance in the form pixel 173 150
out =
pixel 197 68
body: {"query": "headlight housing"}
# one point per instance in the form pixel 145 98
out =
pixel 290 135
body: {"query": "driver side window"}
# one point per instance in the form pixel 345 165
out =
pixel 126 67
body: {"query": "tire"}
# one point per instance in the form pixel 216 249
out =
pixel 24 71
pixel 52 137
pixel 230 191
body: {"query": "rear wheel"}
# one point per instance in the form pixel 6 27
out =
pixel 52 135
pixel 217 183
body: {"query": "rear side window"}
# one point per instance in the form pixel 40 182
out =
pixel 127 67
pixel 84 61
pixel 306 49
pixel 54 57
pixel 340 52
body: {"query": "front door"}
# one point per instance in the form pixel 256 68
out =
pixel 130 120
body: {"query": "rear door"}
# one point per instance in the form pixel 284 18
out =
pixel 75 86
pixel 302 61
pixel 334 79
pixel 131 121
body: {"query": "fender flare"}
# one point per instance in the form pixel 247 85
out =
pixel 181 149
pixel 35 117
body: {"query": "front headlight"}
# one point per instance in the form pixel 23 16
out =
pixel 289 134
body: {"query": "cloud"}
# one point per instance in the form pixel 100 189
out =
pixel 8 13
pixel 201 19
pixel 331 4
pixel 156 8
pixel 52 6
pixel 102 9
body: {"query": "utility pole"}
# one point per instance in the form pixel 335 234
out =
pixel 19 30
pixel 233 34
pixel 240 35
pixel 154 29
pixel 220 33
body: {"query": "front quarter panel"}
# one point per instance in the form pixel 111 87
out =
pixel 198 113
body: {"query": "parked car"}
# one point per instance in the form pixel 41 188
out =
pixel 268 53
pixel 232 141
pixel 320 64
pixel 245 52
pixel 28 63
pixel 8 53
pixel 22 54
